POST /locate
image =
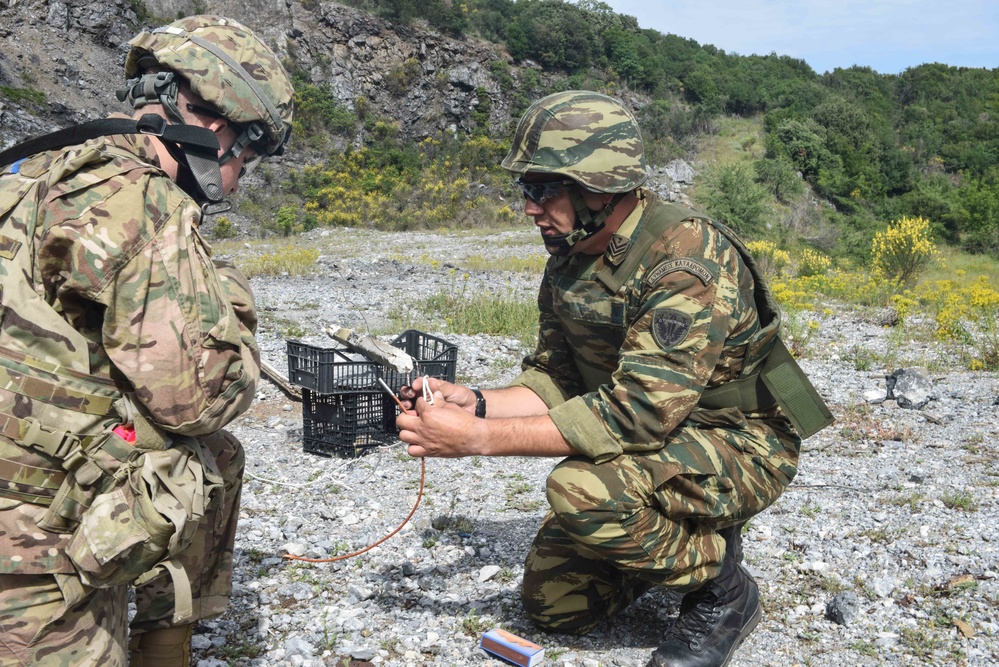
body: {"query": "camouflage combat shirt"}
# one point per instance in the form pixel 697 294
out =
pixel 621 368
pixel 118 256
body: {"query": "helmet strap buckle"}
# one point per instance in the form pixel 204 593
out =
pixel 152 124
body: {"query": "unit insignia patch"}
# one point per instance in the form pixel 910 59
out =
pixel 669 327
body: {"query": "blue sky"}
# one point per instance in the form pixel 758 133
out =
pixel 886 35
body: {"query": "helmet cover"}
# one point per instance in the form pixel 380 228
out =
pixel 588 137
pixel 226 65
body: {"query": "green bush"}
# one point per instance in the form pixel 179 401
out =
pixel 223 229
pixel 780 178
pixel 730 195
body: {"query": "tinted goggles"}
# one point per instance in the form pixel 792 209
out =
pixel 541 192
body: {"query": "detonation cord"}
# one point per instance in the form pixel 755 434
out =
pixel 419 497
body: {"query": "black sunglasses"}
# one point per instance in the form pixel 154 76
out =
pixel 541 191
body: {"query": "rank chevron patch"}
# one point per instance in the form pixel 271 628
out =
pixel 617 248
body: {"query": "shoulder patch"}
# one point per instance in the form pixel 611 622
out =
pixel 669 327
pixel 686 264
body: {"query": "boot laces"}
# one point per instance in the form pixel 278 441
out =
pixel 698 620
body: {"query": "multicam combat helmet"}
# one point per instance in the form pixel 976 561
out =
pixel 226 65
pixel 588 137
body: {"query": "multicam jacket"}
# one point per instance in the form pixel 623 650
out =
pixel 133 303
pixel 623 359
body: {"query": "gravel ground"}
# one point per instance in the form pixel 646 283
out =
pixel 890 527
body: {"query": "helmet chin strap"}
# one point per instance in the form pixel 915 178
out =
pixel 199 171
pixel 588 221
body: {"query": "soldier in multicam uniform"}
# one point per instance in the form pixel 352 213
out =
pixel 109 292
pixel 656 358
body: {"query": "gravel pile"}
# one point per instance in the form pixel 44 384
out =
pixel 883 550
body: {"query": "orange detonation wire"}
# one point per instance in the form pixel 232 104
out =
pixel 419 497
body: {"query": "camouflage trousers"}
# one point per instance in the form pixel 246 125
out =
pixel 618 528
pixel 54 620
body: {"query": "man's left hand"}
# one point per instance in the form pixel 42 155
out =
pixel 442 430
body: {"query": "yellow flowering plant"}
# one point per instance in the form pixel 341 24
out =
pixel 771 259
pixel 903 250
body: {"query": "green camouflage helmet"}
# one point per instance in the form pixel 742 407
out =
pixel 588 137
pixel 226 65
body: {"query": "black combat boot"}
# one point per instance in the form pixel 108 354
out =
pixel 713 621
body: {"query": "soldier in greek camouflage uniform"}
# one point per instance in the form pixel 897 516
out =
pixel 653 374
pixel 114 316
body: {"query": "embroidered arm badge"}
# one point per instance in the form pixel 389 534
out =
pixel 670 327
pixel 687 264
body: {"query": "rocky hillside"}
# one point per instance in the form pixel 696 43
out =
pixel 72 51
pixel 63 59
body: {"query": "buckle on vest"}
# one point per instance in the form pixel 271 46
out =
pixel 54 443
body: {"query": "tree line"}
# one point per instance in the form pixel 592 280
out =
pixel 877 147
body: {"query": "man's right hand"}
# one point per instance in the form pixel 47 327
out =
pixel 454 394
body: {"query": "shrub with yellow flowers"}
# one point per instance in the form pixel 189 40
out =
pixel 771 260
pixel 812 263
pixel 903 250
pixel 435 184
pixel 966 313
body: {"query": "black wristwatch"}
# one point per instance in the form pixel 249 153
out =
pixel 480 403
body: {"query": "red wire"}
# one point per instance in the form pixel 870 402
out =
pixel 419 496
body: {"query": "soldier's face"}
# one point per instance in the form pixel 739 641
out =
pixel 554 215
pixel 233 169
pixel 550 207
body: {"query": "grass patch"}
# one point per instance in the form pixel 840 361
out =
pixel 467 313
pixel 960 500
pixel 288 260
pixel 532 264
pixel 952 261
pixel 474 625
pixel 23 95
pixel 736 140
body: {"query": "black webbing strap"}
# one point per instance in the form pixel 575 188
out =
pixel 186 135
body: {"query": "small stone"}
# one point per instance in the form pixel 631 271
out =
pixel 488 572
pixel 911 387
pixel 298 646
pixel 883 586
pixel 843 608
pixel 293 549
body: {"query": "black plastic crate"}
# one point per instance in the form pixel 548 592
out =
pixel 347 424
pixel 434 357
pixel 330 370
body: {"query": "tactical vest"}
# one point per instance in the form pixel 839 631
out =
pixel 129 508
pixel 49 401
pixel 769 373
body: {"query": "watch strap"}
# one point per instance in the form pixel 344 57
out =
pixel 480 403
